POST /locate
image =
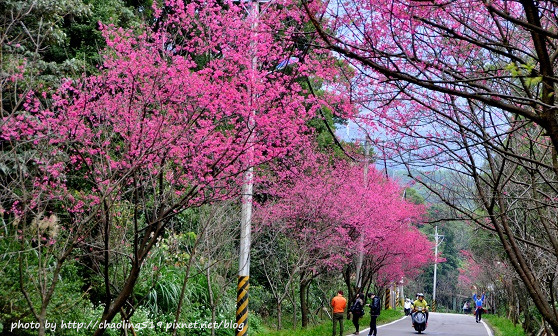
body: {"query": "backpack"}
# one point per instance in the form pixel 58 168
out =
pixel 375 306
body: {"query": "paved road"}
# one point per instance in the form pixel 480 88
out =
pixel 438 324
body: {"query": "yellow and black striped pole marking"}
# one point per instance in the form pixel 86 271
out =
pixel 242 306
pixel 387 304
pixel 397 298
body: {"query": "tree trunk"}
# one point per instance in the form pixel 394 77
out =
pixel 119 302
pixel 125 321
pixel 41 331
pixel 211 299
pixel 527 325
pixel 292 298
pixel 347 277
pixel 183 289
pixel 279 313
pixel 304 287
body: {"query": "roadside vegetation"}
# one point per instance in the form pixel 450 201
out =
pixel 503 326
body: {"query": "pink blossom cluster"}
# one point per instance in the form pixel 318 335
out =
pixel 180 109
pixel 326 208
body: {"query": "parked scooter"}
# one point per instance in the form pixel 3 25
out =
pixel 419 320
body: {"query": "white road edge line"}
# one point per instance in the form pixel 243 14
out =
pixel 383 325
pixel 488 330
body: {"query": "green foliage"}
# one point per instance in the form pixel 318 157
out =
pixel 31 28
pixel 502 326
pixel 525 71
pixel 413 196
pixel 70 301
pixel 319 330
pixel 164 296
pixel 482 238
pixel 325 121
pixel 83 40
pixel 47 40
pixel 320 125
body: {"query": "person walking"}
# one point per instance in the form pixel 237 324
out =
pixel 357 309
pixel 407 306
pixel 478 306
pixel 466 308
pixel 375 307
pixel 338 305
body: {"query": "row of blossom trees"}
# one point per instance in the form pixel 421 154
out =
pixel 468 87
pixel 331 216
pixel 98 170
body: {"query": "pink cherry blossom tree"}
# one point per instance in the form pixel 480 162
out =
pixel 467 87
pixel 176 114
pixel 325 208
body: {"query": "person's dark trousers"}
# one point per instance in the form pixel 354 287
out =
pixel 338 317
pixel 373 330
pixel 355 321
pixel 478 314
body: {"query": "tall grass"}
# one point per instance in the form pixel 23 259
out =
pixel 502 326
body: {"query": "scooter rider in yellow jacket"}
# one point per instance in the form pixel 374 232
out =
pixel 421 302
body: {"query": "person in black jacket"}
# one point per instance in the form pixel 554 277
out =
pixel 357 309
pixel 375 307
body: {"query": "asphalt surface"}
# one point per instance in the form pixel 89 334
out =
pixel 438 324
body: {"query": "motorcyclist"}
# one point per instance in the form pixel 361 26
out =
pixel 420 302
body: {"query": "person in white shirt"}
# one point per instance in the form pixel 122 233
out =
pixel 407 306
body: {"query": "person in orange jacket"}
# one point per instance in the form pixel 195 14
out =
pixel 338 304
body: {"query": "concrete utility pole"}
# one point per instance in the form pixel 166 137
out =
pixel 360 259
pixel 438 240
pixel 247 195
pixel 244 259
